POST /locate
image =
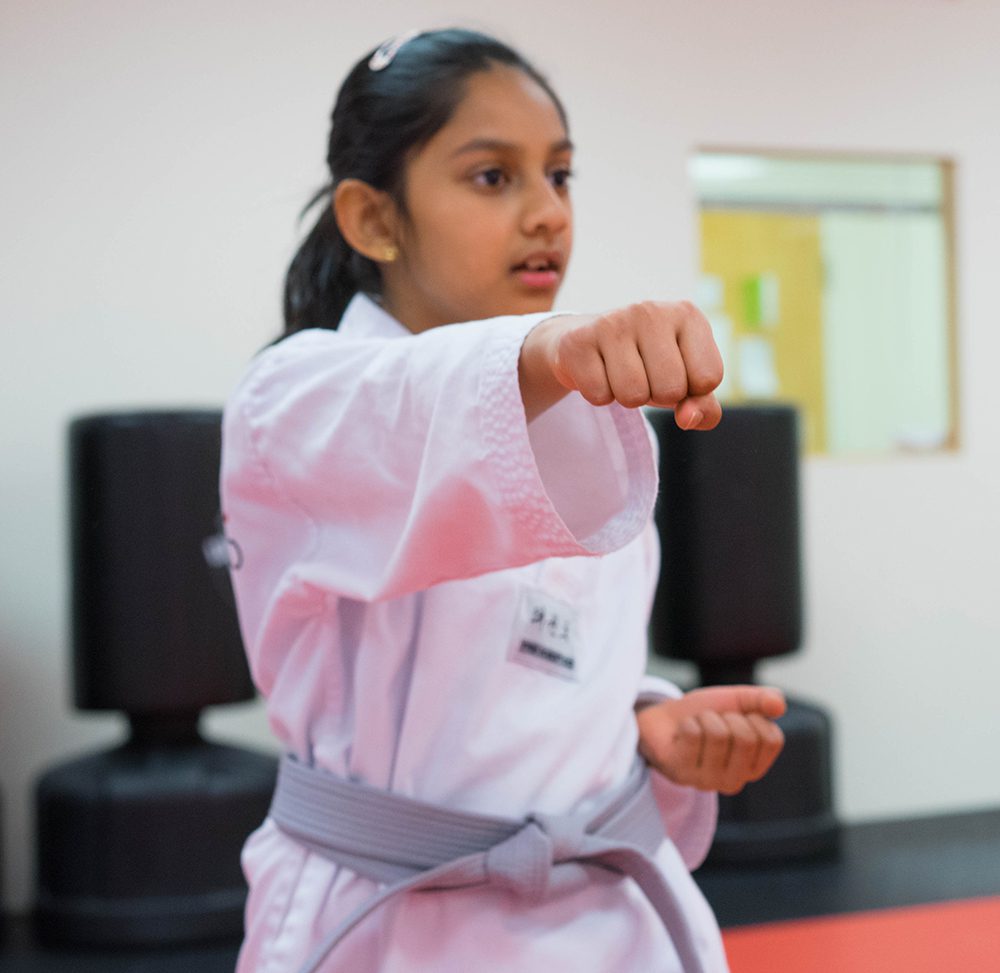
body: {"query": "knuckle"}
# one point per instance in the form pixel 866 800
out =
pixel 632 400
pixel 648 315
pixel 705 378
pixel 669 392
pixel 717 734
pixel 574 342
pixel 690 729
pixel 597 396
pixel 615 329
pixel 694 317
pixel 630 386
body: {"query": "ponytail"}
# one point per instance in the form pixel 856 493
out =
pixel 386 109
pixel 324 274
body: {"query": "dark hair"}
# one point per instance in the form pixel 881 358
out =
pixel 380 117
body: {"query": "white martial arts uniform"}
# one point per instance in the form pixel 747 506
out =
pixel 423 611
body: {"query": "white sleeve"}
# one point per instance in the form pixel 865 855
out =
pixel 381 466
pixel 689 815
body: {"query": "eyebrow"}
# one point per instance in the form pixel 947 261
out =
pixel 499 145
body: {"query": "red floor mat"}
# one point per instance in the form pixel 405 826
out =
pixel 948 937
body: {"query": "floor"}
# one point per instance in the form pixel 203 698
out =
pixel 915 896
pixel 905 895
pixel 882 865
pixel 945 936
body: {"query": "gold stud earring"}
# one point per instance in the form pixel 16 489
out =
pixel 389 253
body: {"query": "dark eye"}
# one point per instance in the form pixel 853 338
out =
pixel 560 177
pixel 492 178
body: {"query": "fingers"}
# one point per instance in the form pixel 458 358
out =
pixel 662 355
pixel 753 744
pixel 766 700
pixel 682 362
pixel 771 740
pixel 717 746
pixel 626 372
pixel 659 354
pixel 701 354
pixel 719 738
pixel 681 757
pixel 701 412
pixel 580 365
pixel 733 749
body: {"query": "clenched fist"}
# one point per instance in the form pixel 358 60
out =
pixel 653 353
pixel 719 738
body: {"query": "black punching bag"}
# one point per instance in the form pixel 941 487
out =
pixel 730 594
pixel 154 620
pixel 728 513
pixel 140 845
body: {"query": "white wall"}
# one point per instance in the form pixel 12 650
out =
pixel 155 156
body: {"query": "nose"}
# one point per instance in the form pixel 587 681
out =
pixel 547 211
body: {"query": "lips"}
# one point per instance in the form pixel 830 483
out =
pixel 550 261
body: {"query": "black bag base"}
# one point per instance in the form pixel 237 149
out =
pixel 154 921
pixel 140 845
pixel 789 813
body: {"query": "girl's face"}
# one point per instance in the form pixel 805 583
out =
pixel 488 226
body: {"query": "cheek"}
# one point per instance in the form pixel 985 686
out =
pixel 446 240
pixel 489 225
pixel 473 252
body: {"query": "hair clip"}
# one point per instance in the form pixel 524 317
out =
pixel 382 57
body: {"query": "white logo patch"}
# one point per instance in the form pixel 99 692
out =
pixel 545 634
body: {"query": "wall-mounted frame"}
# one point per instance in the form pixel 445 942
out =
pixel 829 280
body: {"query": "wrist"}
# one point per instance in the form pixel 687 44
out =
pixel 540 388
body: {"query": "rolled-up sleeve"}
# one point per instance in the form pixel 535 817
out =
pixel 381 466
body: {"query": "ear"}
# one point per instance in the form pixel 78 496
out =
pixel 367 218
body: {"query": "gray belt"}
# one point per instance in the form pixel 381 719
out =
pixel 408 845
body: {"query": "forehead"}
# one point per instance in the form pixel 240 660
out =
pixel 503 103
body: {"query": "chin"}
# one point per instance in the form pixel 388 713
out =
pixel 534 304
pixel 503 305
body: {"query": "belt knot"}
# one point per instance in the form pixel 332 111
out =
pixel 523 863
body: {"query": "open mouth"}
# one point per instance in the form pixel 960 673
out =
pixel 540 264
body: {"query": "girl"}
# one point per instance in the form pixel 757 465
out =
pixel 443 494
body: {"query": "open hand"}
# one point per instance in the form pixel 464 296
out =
pixel 653 353
pixel 719 738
